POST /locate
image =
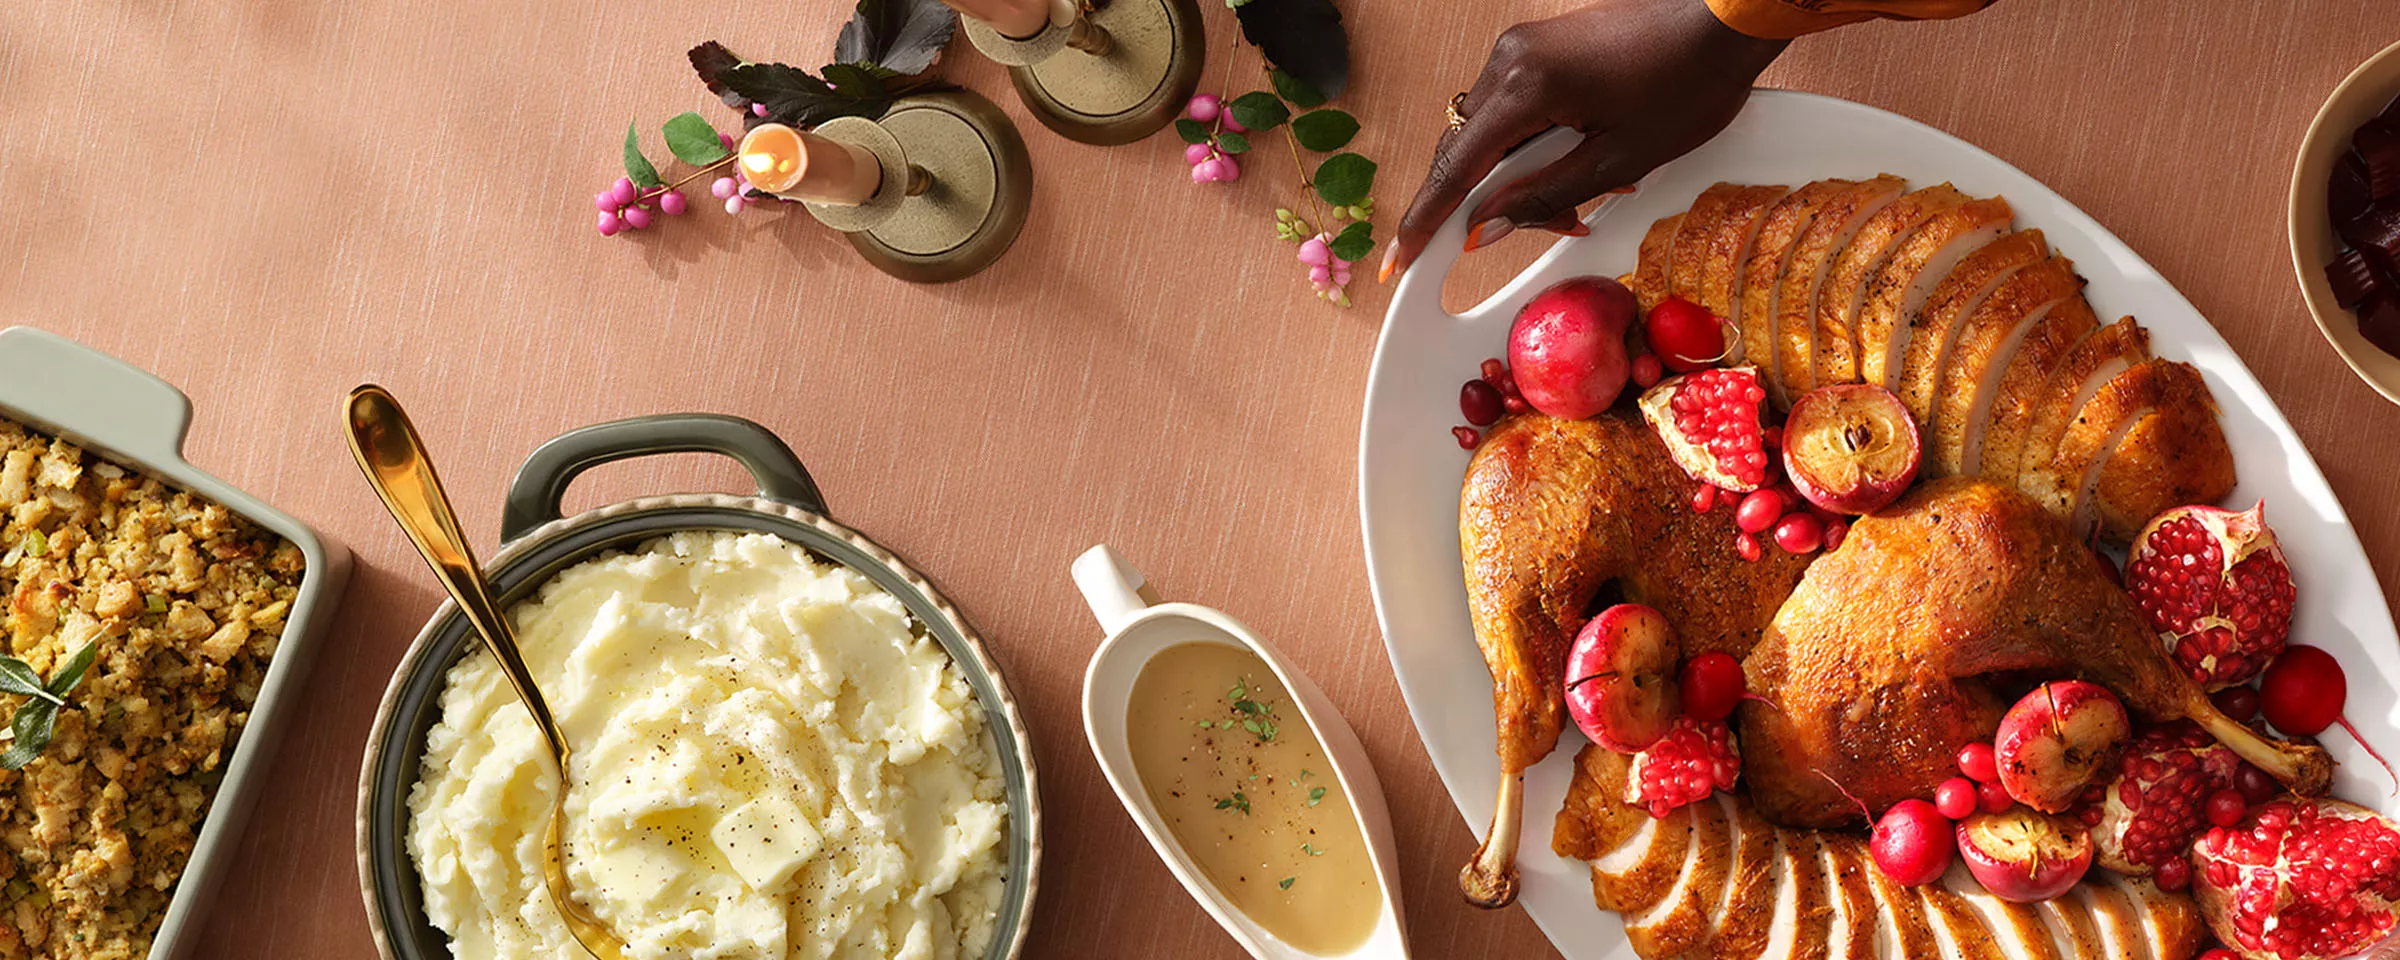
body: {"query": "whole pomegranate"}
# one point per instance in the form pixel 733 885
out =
pixel 2214 585
pixel 2149 814
pixel 1696 758
pixel 2300 879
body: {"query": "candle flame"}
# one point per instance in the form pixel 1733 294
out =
pixel 757 162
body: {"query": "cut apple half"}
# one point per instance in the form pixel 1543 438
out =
pixel 1851 448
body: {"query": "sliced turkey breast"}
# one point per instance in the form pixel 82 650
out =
pixel 2171 922
pixel 1680 920
pixel 1635 857
pixel 1692 237
pixel 1745 919
pixel 1722 268
pixel 1813 257
pixel 1813 920
pixel 2109 351
pixel 1762 274
pixel 1633 882
pixel 1905 930
pixel 2078 933
pixel 2065 486
pixel 2116 919
pixel 1958 927
pixel 2175 456
pixel 1652 261
pixel 1963 394
pixel 2027 379
pixel 1900 290
pixel 2017 928
pixel 1859 917
pixel 1957 297
pixel 1856 268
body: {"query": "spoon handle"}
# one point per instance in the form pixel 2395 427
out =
pixel 396 464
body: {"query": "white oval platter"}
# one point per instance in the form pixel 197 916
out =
pixel 1410 467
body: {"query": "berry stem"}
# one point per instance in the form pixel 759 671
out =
pixel 689 177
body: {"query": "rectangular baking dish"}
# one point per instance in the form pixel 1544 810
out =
pixel 65 389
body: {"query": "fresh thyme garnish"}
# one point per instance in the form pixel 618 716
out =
pixel 38 714
pixel 1286 883
pixel 1315 796
pixel 1239 801
pixel 1258 717
pixel 1311 850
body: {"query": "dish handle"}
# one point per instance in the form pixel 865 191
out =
pixel 1114 590
pixel 534 498
pixel 1422 283
pixel 91 397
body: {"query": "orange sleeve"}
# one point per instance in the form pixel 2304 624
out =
pixel 1785 19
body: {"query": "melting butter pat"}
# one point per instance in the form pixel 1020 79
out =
pixel 766 840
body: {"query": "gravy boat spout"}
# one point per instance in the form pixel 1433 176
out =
pixel 1139 630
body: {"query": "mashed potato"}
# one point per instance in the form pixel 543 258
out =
pixel 768 764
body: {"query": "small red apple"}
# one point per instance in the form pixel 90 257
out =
pixel 1912 843
pixel 1851 448
pixel 1621 685
pixel 2057 740
pixel 1567 348
pixel 2023 856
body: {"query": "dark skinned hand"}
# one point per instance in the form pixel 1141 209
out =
pixel 1646 81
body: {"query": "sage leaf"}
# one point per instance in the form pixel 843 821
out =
pixel 693 141
pixel 1344 179
pixel 32 728
pixel 71 675
pixel 16 676
pixel 1191 131
pixel 1259 110
pixel 711 60
pixel 902 36
pixel 1232 142
pixel 1304 38
pixel 1324 131
pixel 1353 243
pixel 637 167
pixel 1294 91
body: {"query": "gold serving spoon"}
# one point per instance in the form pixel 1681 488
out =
pixel 393 456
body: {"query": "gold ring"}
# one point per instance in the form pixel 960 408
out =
pixel 1458 121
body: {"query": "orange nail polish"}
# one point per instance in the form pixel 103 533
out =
pixel 1391 257
pixel 1477 238
pixel 1575 228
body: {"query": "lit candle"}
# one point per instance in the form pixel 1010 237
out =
pixel 1015 19
pixel 798 164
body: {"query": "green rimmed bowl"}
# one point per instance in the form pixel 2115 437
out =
pixel 537 544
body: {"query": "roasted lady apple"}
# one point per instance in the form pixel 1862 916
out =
pixel 2024 856
pixel 1621 686
pixel 2058 739
pixel 1851 448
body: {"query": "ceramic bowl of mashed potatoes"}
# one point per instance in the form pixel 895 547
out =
pixel 787 743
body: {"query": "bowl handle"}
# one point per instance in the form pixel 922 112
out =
pixel 1422 283
pixel 91 397
pixel 534 498
pixel 1114 590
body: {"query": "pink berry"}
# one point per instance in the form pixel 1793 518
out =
pixel 623 192
pixel 637 217
pixel 1198 153
pixel 1977 761
pixel 1955 798
pixel 1321 274
pixel 1758 511
pixel 1227 170
pixel 1204 172
pixel 1233 124
pixel 726 140
pixel 735 203
pixel 1314 252
pixel 671 203
pixel 1203 108
pixel 604 201
pixel 609 224
pixel 723 187
pixel 1800 533
pixel 758 109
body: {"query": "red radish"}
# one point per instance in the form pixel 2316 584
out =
pixel 2022 856
pixel 1758 511
pixel 1800 533
pixel 1710 423
pixel 1647 371
pixel 2057 740
pixel 2224 808
pixel 1913 843
pixel 1993 798
pixel 1466 436
pixel 1851 448
pixel 2237 703
pixel 1977 761
pixel 1711 684
pixel 1696 758
pixel 1481 402
pixel 2303 691
pixel 1567 348
pixel 2214 584
pixel 1955 798
pixel 1620 675
pixel 1684 335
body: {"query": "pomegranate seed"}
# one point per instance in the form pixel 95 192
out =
pixel 1705 498
pixel 1481 402
pixel 2219 953
pixel 1494 369
pixel 1747 546
pixel 1771 438
pixel 2238 703
pixel 2225 807
pixel 1993 797
pixel 1514 404
pixel 1956 798
pixel 1977 761
pixel 1835 532
pixel 1758 511
pixel 1467 437
pixel 1800 533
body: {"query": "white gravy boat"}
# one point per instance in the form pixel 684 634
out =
pixel 1138 628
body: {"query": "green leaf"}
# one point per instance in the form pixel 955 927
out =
pixel 1259 111
pixel 72 674
pixel 1354 241
pixel 1232 142
pixel 1191 131
pixel 1344 179
pixel 17 676
pixel 1304 38
pixel 32 726
pixel 693 141
pixel 1324 131
pixel 637 167
pixel 1294 90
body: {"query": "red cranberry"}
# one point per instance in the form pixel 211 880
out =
pixel 1800 533
pixel 2239 703
pixel 1758 511
pixel 1993 797
pixel 1976 760
pixel 1481 402
pixel 2255 785
pixel 1955 798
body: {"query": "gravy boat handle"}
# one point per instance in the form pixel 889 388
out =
pixel 1114 590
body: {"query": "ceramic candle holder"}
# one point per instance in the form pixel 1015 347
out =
pixel 1101 71
pixel 934 191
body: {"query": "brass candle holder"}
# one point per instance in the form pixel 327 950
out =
pixel 1103 71
pixel 953 186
